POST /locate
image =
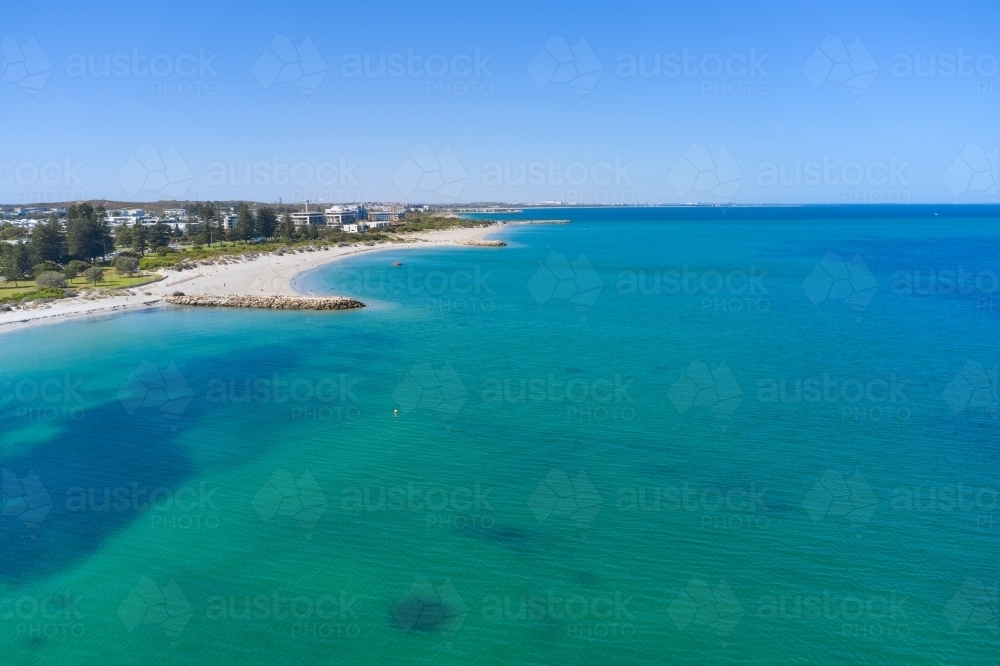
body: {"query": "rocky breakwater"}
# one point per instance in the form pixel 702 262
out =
pixel 266 302
pixel 484 243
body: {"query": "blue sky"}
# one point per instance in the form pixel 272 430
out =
pixel 775 102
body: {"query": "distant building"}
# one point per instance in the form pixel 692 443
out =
pixel 230 220
pixel 130 216
pixel 314 218
pixel 178 214
pixel 391 213
pixel 340 215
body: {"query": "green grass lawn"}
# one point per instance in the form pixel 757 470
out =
pixel 111 281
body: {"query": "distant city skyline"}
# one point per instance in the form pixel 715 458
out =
pixel 589 104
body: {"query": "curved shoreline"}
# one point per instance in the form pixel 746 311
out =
pixel 266 275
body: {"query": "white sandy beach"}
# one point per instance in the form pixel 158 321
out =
pixel 268 274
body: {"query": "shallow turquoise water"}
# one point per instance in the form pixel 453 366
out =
pixel 640 438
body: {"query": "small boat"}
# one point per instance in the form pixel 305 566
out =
pixel 397 263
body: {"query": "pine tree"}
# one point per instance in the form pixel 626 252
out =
pixel 267 222
pixel 140 238
pixel 287 230
pixel 88 232
pixel 48 241
pixel 123 235
pixel 245 224
pixel 15 262
pixel 159 235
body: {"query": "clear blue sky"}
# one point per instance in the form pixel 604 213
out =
pixel 746 96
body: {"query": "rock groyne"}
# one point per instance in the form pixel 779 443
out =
pixel 267 302
pixel 484 243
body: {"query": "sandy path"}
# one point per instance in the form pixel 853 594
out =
pixel 266 275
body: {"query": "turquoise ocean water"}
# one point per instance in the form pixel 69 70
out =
pixel 649 436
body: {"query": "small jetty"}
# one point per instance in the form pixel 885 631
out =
pixel 266 302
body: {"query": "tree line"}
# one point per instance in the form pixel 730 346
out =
pixel 86 236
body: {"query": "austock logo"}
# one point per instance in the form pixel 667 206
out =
pixel 149 388
pixel 165 607
pixel 715 174
pixel 834 496
pixel 561 279
pixel 835 279
pixel 701 386
pixel 558 496
pixel 430 608
pixel 974 606
pixel 163 175
pixel 423 387
pixel 26 65
pixel 974 388
pixel 26 498
pixel 283 495
pixel 285 62
pixel 974 170
pixel 424 170
pixel 559 62
pixel 714 606
pixel 834 62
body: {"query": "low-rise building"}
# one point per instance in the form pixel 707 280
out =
pixel 315 218
pixel 340 215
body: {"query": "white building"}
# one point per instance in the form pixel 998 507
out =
pixel 178 214
pixel 314 218
pixel 130 216
pixel 340 215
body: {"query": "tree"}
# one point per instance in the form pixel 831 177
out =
pixel 126 265
pixel 12 231
pixel 159 235
pixel 267 222
pixel 211 229
pixel 140 238
pixel 104 224
pixel 88 233
pixel 15 262
pixel 48 241
pixel 123 235
pixel 44 266
pixel 245 228
pixel 75 268
pixel 287 229
pixel 93 275
pixel 51 279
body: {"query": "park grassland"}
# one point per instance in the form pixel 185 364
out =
pixel 29 290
